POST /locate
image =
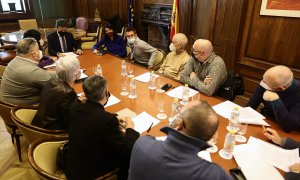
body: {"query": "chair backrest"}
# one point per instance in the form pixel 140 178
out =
pixel 82 23
pixel 42 157
pixel 26 24
pixel 7 56
pixel 23 116
pixel 159 59
pixel 123 32
pixel 5 109
pixel 99 33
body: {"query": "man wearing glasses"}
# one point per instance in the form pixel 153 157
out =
pixel 205 70
pixel 23 81
pixel 280 94
pixel 176 157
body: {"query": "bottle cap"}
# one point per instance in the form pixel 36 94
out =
pixel 232 132
pixel 186 85
pixel 235 108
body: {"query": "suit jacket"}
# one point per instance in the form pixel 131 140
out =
pixel 54 45
pixel 97 146
pixel 291 144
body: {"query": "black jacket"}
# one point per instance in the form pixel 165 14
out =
pixel 54 45
pixel 54 106
pixel 97 146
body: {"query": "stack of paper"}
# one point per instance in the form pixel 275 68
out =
pixel 247 114
pixel 257 158
pixel 145 77
pixel 111 100
pixel 143 121
pixel 177 92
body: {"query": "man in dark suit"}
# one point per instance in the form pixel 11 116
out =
pixel 99 141
pixel 62 41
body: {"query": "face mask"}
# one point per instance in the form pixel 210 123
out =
pixel 61 33
pixel 41 54
pixel 41 42
pixel 172 47
pixel 131 41
pixel 107 94
pixel 109 34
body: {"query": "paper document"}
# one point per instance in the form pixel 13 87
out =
pixel 177 92
pixel 111 100
pixel 161 138
pixel 247 114
pixel 69 54
pixel 273 154
pixel 83 76
pixel 143 121
pixel 253 166
pixel 205 155
pixel 50 66
pixel 145 77
pixel 126 113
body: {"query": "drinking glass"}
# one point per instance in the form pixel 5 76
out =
pixel 242 130
pixel 212 142
pixel 130 70
pixel 161 106
pixel 159 84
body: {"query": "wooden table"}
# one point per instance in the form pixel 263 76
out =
pixel 15 37
pixel 147 101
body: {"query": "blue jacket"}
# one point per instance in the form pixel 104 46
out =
pixel 175 158
pixel 117 46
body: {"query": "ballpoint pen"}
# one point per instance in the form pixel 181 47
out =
pixel 150 127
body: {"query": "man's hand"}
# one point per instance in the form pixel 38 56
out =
pixel 61 55
pixel 79 52
pixel 125 122
pixel 82 97
pixel 95 51
pixel 270 96
pixel 295 168
pixel 273 136
pixel 192 75
pixel 207 79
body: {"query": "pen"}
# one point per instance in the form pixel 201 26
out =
pixel 264 128
pixel 150 127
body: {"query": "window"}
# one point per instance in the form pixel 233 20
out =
pixel 12 6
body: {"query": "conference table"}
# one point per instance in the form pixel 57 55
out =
pixel 15 37
pixel 147 100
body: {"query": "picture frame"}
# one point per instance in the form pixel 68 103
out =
pixel 284 8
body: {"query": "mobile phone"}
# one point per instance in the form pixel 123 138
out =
pixel 166 87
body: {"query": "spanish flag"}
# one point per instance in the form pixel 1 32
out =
pixel 174 20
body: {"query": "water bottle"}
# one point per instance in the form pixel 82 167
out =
pixel 132 93
pixel 234 119
pixel 175 105
pixel 98 70
pixel 229 143
pixel 152 81
pixel 185 94
pixel 123 68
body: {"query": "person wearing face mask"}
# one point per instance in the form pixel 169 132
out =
pixel 177 58
pixel 62 41
pixel 205 71
pixel 23 81
pixel 97 145
pixel 45 60
pixel 114 43
pixel 280 94
pixel 58 95
pixel 141 52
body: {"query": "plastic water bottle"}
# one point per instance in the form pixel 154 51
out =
pixel 132 93
pixel 185 94
pixel 98 70
pixel 234 119
pixel 175 105
pixel 229 144
pixel 123 68
pixel 152 81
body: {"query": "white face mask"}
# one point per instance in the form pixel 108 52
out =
pixel 131 41
pixel 41 54
pixel 41 41
pixel 172 47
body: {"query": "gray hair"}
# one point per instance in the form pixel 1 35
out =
pixel 201 121
pixel 61 23
pixel 68 69
pixel 25 45
pixel 181 39
pixel 94 88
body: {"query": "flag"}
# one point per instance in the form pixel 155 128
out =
pixel 174 19
pixel 131 14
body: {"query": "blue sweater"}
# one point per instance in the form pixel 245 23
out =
pixel 285 110
pixel 117 46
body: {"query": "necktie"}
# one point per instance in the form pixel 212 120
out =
pixel 64 44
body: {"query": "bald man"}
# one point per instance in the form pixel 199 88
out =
pixel 280 94
pixel 177 58
pixel 205 70
pixel 176 157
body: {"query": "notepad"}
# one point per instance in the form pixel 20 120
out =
pixel 143 121
pixel 177 92
pixel 145 77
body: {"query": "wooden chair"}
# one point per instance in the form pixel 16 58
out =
pixel 11 127
pixel 159 59
pixel 23 116
pixel 123 32
pixel 26 24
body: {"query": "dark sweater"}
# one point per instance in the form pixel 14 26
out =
pixel 285 110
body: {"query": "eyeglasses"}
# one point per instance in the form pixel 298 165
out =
pixel 31 41
pixel 196 52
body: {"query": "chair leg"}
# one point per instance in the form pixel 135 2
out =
pixel 19 148
pixel 12 139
